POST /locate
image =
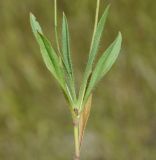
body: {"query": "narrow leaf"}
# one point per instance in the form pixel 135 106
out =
pixel 52 56
pixel 35 27
pixel 49 56
pixel 66 46
pixel 97 38
pixel 105 63
pixel 93 52
pixel 84 118
pixel 66 55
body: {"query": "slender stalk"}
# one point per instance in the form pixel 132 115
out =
pixel 76 139
pixel 96 22
pixel 55 24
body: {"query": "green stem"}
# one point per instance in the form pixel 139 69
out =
pixel 96 22
pixel 76 139
pixel 55 24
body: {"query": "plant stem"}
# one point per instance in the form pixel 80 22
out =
pixel 76 139
pixel 96 22
pixel 55 24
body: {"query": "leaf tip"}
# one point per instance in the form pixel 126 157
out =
pixel 120 36
pixel 108 7
pixel 64 16
pixel 32 17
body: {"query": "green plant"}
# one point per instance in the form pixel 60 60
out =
pixel 60 65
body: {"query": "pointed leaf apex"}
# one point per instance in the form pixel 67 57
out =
pixel 119 34
pixel 108 6
pixel 64 14
pixel 119 37
pixel 32 16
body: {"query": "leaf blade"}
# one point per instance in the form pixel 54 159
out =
pixel 66 56
pixel 93 52
pixel 105 63
pixel 49 56
pixel 66 46
pixel 55 61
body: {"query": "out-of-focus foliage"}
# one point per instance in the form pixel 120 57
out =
pixel 34 120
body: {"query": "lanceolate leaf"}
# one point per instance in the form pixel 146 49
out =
pixel 66 55
pixel 97 38
pixel 35 27
pixel 104 64
pixel 54 59
pixel 66 46
pixel 50 58
pixel 93 51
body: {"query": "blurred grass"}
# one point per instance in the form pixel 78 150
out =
pixel 34 120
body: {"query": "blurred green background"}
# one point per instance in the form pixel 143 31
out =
pixel 34 120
